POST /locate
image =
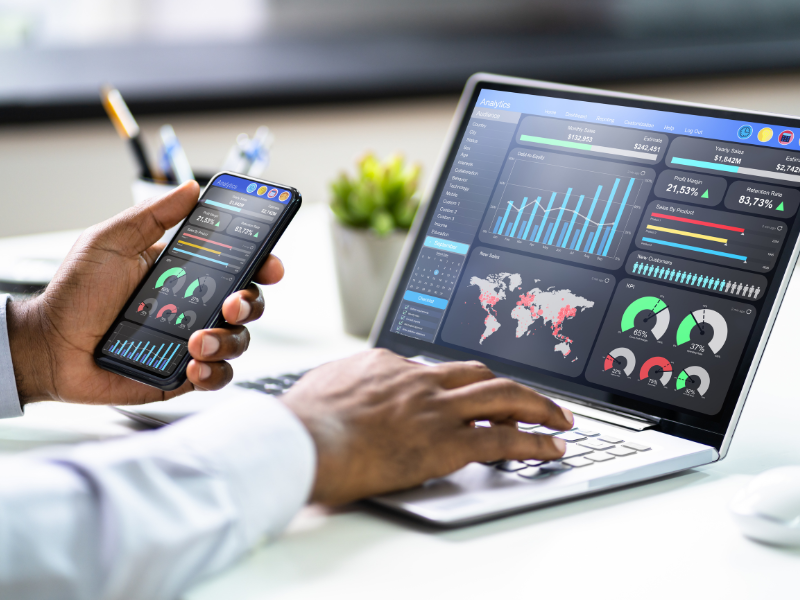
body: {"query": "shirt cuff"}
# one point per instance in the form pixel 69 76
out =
pixel 9 398
pixel 263 452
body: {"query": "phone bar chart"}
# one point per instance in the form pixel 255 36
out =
pixel 581 208
pixel 145 348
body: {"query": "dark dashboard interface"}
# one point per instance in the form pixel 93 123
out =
pixel 198 270
pixel 625 249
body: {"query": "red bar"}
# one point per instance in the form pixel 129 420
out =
pixel 705 223
pixel 217 243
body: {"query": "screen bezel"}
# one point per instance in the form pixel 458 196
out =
pixel 178 376
pixel 713 430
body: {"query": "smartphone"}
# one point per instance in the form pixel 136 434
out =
pixel 214 252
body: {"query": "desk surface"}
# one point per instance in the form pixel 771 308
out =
pixel 666 538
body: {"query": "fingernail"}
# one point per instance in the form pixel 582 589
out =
pixel 244 311
pixel 568 415
pixel 204 371
pixel 210 345
pixel 560 444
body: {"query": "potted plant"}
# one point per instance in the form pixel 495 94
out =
pixel 372 211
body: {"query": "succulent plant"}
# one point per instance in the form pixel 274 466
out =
pixel 381 197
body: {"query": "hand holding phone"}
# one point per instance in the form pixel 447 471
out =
pixel 215 252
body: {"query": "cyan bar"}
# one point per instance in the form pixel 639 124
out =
pixel 150 362
pixel 160 362
pixel 602 221
pixel 574 241
pixel 619 216
pixel 219 262
pixel 522 233
pixel 418 298
pixel 497 225
pixel 694 248
pixel 505 216
pixel 533 215
pixel 605 235
pixel 121 347
pixel 589 216
pixel 131 351
pixel 704 165
pixel 221 205
pixel 166 361
pixel 572 221
pixel 114 346
pixel 588 242
pixel 139 357
pixel 508 229
pixel 519 214
pixel 446 245
pixel 549 227
pixel 561 235
pixel 146 356
pixel 533 233
pixel 544 218
pixel 560 215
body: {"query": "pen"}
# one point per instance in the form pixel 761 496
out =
pixel 175 155
pixel 127 128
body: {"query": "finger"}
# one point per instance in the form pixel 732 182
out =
pixel 138 228
pixel 489 444
pixel 243 306
pixel 457 374
pixel 500 400
pixel 209 376
pixel 218 344
pixel 271 271
pixel 153 252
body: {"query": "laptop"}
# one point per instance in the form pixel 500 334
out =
pixel 624 255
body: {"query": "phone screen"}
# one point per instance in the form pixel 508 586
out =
pixel 200 267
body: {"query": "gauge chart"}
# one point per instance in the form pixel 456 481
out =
pixel 622 359
pixel 576 208
pixel 683 347
pixel 706 326
pixel 172 278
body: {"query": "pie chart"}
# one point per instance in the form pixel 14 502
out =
pixel 658 368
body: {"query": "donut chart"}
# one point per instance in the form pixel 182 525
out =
pixel 204 285
pixel 698 320
pixel 617 358
pixel 187 319
pixel 176 272
pixel 147 306
pixel 656 308
pixel 696 376
pixel 662 373
pixel 169 308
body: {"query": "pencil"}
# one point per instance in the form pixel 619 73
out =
pixel 128 129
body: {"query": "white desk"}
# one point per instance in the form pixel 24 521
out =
pixel 624 544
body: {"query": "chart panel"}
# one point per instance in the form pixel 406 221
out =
pixel 145 349
pixel 716 236
pixel 671 345
pixel 569 207
pixel 528 310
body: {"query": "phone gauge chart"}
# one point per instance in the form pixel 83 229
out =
pixel 671 345
pixel 578 209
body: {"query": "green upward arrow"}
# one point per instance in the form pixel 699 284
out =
pixel 705 194
pixel 256 235
pixel 780 207
pixel 217 225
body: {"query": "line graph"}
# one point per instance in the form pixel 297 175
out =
pixel 582 209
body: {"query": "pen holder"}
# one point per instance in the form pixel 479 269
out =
pixel 143 189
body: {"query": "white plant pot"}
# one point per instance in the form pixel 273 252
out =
pixel 364 265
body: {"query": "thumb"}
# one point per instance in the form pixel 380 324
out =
pixel 138 228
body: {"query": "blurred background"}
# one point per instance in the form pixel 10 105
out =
pixel 334 78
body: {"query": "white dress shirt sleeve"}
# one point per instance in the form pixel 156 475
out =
pixel 147 516
pixel 9 400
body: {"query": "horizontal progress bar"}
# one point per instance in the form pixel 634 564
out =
pixel 732 169
pixel 694 249
pixel 219 262
pixel 688 234
pixel 199 247
pixel 695 222
pixel 589 147
pixel 197 237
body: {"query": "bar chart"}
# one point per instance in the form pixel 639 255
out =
pixel 145 348
pixel 580 209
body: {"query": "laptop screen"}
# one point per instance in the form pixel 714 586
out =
pixel 615 249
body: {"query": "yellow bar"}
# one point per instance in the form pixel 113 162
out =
pixel 686 233
pixel 201 247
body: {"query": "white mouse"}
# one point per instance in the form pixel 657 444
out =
pixel 768 509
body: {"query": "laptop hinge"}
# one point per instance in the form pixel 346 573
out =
pixel 605 414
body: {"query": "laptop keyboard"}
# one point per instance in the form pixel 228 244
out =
pixel 585 447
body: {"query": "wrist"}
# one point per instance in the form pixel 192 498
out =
pixel 30 353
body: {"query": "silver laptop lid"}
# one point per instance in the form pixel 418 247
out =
pixel 626 251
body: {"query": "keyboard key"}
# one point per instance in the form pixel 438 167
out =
pixel 533 463
pixel 511 466
pixel 546 430
pixel 575 450
pixel 611 439
pixel 621 451
pixel 482 424
pixel 639 447
pixel 530 472
pixel 554 466
pixel 595 445
pixel 570 436
pixel 578 462
pixel 586 432
pixel 527 426
pixel 598 456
